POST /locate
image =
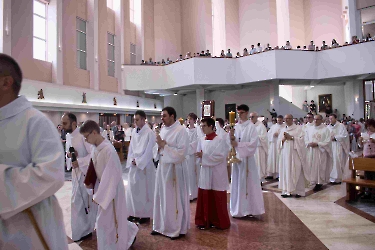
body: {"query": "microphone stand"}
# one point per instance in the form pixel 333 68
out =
pixel 74 158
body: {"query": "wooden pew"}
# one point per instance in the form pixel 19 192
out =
pixel 364 164
pixel 119 149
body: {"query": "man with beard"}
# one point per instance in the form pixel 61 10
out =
pixel 83 210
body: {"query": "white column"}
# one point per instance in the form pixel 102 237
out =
pixel 5 26
pixel 283 22
pixel 355 23
pixel 200 98
pixel 119 42
pixel 92 43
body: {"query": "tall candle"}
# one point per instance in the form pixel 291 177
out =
pixel 232 116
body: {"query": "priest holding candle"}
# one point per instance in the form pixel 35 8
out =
pixel 246 195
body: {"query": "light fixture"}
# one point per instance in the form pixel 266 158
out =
pixel 271 102
pixel 87 112
pixel 356 99
pixel 175 93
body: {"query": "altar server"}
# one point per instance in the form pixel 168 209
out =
pixel 213 182
pixel 83 210
pixel 340 148
pixel 272 159
pixel 319 152
pixel 113 229
pixel 246 197
pixel 291 149
pixel 31 170
pixel 141 178
pixel 192 168
pixel 171 202
pixel 262 148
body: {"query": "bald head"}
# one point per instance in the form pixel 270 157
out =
pixel 254 117
pixel 288 119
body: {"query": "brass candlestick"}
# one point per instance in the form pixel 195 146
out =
pixel 232 154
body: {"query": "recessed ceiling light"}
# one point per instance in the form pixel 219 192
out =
pixel 175 93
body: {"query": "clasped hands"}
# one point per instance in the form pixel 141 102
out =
pixel 161 143
pixel 74 163
pixel 287 136
pixel 199 154
pixel 312 145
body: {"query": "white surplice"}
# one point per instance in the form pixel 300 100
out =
pixel 262 149
pixel 272 159
pixel 223 134
pixel 318 159
pixel 246 193
pixel 31 172
pixel 141 178
pixel 110 195
pixel 128 134
pixel 340 151
pixel 292 160
pixel 192 168
pixel 171 202
pixel 82 223
pixel 213 172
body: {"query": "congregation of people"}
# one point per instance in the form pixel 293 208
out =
pixel 191 164
pixel 259 49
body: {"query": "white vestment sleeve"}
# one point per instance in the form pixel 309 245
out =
pixel 144 160
pixel 108 184
pixel 263 139
pixel 343 138
pixel 174 155
pixel 24 186
pixel 216 156
pixel 130 154
pixel 246 149
pixel 325 144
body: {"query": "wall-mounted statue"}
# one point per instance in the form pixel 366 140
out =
pixel 40 94
pixel 154 105
pixel 137 104
pixel 114 101
pixel 84 98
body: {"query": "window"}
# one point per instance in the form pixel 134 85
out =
pixel 133 56
pixel 111 55
pixel 40 31
pixel 131 9
pixel 81 43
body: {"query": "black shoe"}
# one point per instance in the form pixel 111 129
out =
pixel 335 183
pixel 155 233
pixel 143 220
pixel 269 178
pixel 174 238
pixel 84 237
pixel 201 227
pixel 286 195
pixel 277 178
pixel 298 196
pixel 317 187
pixel 131 218
pixel 249 216
pixel 135 238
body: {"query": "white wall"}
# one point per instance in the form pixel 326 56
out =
pixel 189 104
pixel 256 98
pixel 338 93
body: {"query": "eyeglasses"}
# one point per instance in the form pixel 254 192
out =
pixel 86 137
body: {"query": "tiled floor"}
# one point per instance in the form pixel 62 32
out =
pixel 313 222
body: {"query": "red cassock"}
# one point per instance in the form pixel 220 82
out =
pixel 212 206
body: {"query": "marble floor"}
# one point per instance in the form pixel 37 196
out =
pixel 311 222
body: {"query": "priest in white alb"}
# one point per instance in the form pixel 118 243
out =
pixel 141 177
pixel 262 149
pixel 113 230
pixel 171 201
pixel 83 210
pixel 310 122
pixel 318 153
pixel 340 149
pixel 291 150
pixel 246 197
pixel 31 170
pixel 273 154
pixel 192 168
pixel 212 208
